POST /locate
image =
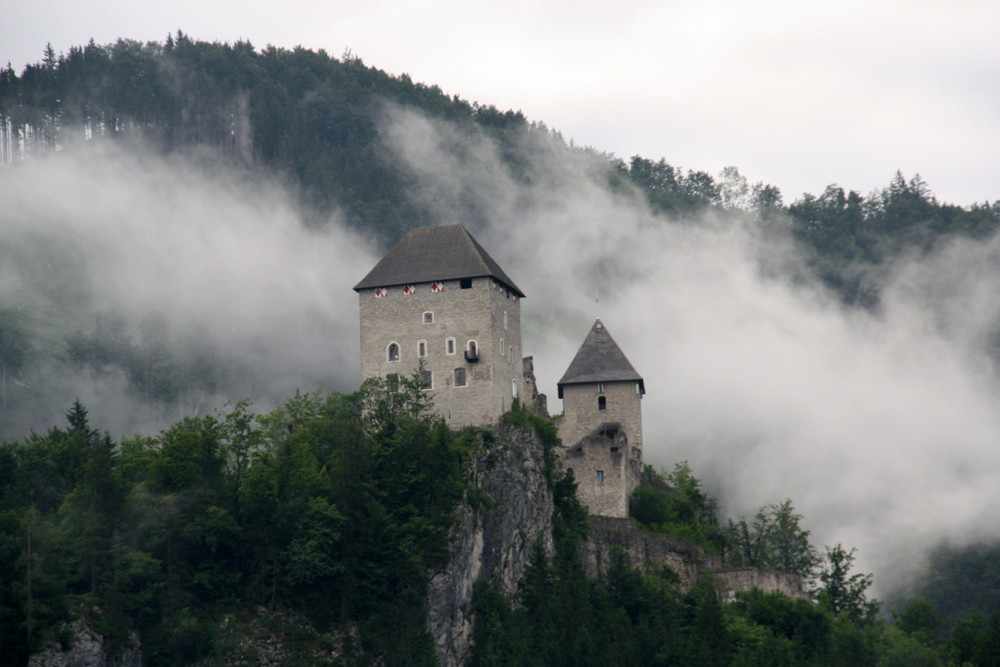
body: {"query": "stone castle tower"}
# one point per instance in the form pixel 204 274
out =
pixel 438 300
pixel 601 426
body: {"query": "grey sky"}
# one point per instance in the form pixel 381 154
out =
pixel 795 94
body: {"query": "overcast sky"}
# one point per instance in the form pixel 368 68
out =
pixel 796 94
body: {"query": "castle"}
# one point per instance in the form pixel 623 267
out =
pixel 438 304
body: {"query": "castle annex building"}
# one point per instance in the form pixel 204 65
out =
pixel 601 426
pixel 438 302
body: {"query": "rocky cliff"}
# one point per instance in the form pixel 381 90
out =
pixel 507 508
pixel 86 648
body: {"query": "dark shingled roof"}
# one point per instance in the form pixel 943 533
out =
pixel 600 359
pixel 430 254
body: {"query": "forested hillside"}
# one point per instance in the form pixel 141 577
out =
pixel 314 118
pixel 231 509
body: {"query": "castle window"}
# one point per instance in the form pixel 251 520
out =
pixel 602 403
pixel 600 476
pixel 513 388
pixel 426 380
pixel 449 346
pixel 600 387
pixel 465 283
pixel 459 377
pixel 392 352
pixel 422 348
pixel 428 318
pixel 505 319
pixel 472 351
pixel 503 350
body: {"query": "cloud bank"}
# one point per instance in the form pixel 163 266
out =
pixel 882 427
pixel 220 261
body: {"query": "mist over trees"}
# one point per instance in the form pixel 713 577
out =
pixel 317 123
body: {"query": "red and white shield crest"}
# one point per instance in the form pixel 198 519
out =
pixel 437 287
pixel 381 292
pixel 410 289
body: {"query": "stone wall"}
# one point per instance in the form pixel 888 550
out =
pixel 581 413
pixel 730 580
pixel 646 551
pixel 489 316
pixel 607 470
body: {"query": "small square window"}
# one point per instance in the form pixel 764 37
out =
pixel 465 283
pixel 426 380
pixel 600 475
pixel 460 377
pixel 428 318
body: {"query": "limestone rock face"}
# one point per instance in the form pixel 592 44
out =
pixel 507 508
pixel 86 650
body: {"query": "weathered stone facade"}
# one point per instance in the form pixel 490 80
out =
pixel 601 426
pixel 439 304
pixel 438 327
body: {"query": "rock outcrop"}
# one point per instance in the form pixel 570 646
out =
pixel 508 507
pixel 86 649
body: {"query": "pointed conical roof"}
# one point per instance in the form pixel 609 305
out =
pixel 429 254
pixel 600 359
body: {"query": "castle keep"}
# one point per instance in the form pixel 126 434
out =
pixel 438 303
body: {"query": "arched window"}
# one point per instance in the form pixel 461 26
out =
pixel 392 352
pixel 513 388
pixel 503 350
pixel 459 377
pixel 472 351
pixel 428 317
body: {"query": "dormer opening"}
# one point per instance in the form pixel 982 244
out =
pixel 472 351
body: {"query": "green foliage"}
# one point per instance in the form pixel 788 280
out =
pixel 337 506
pixel 775 540
pixel 675 504
pixel 961 581
pixel 842 592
